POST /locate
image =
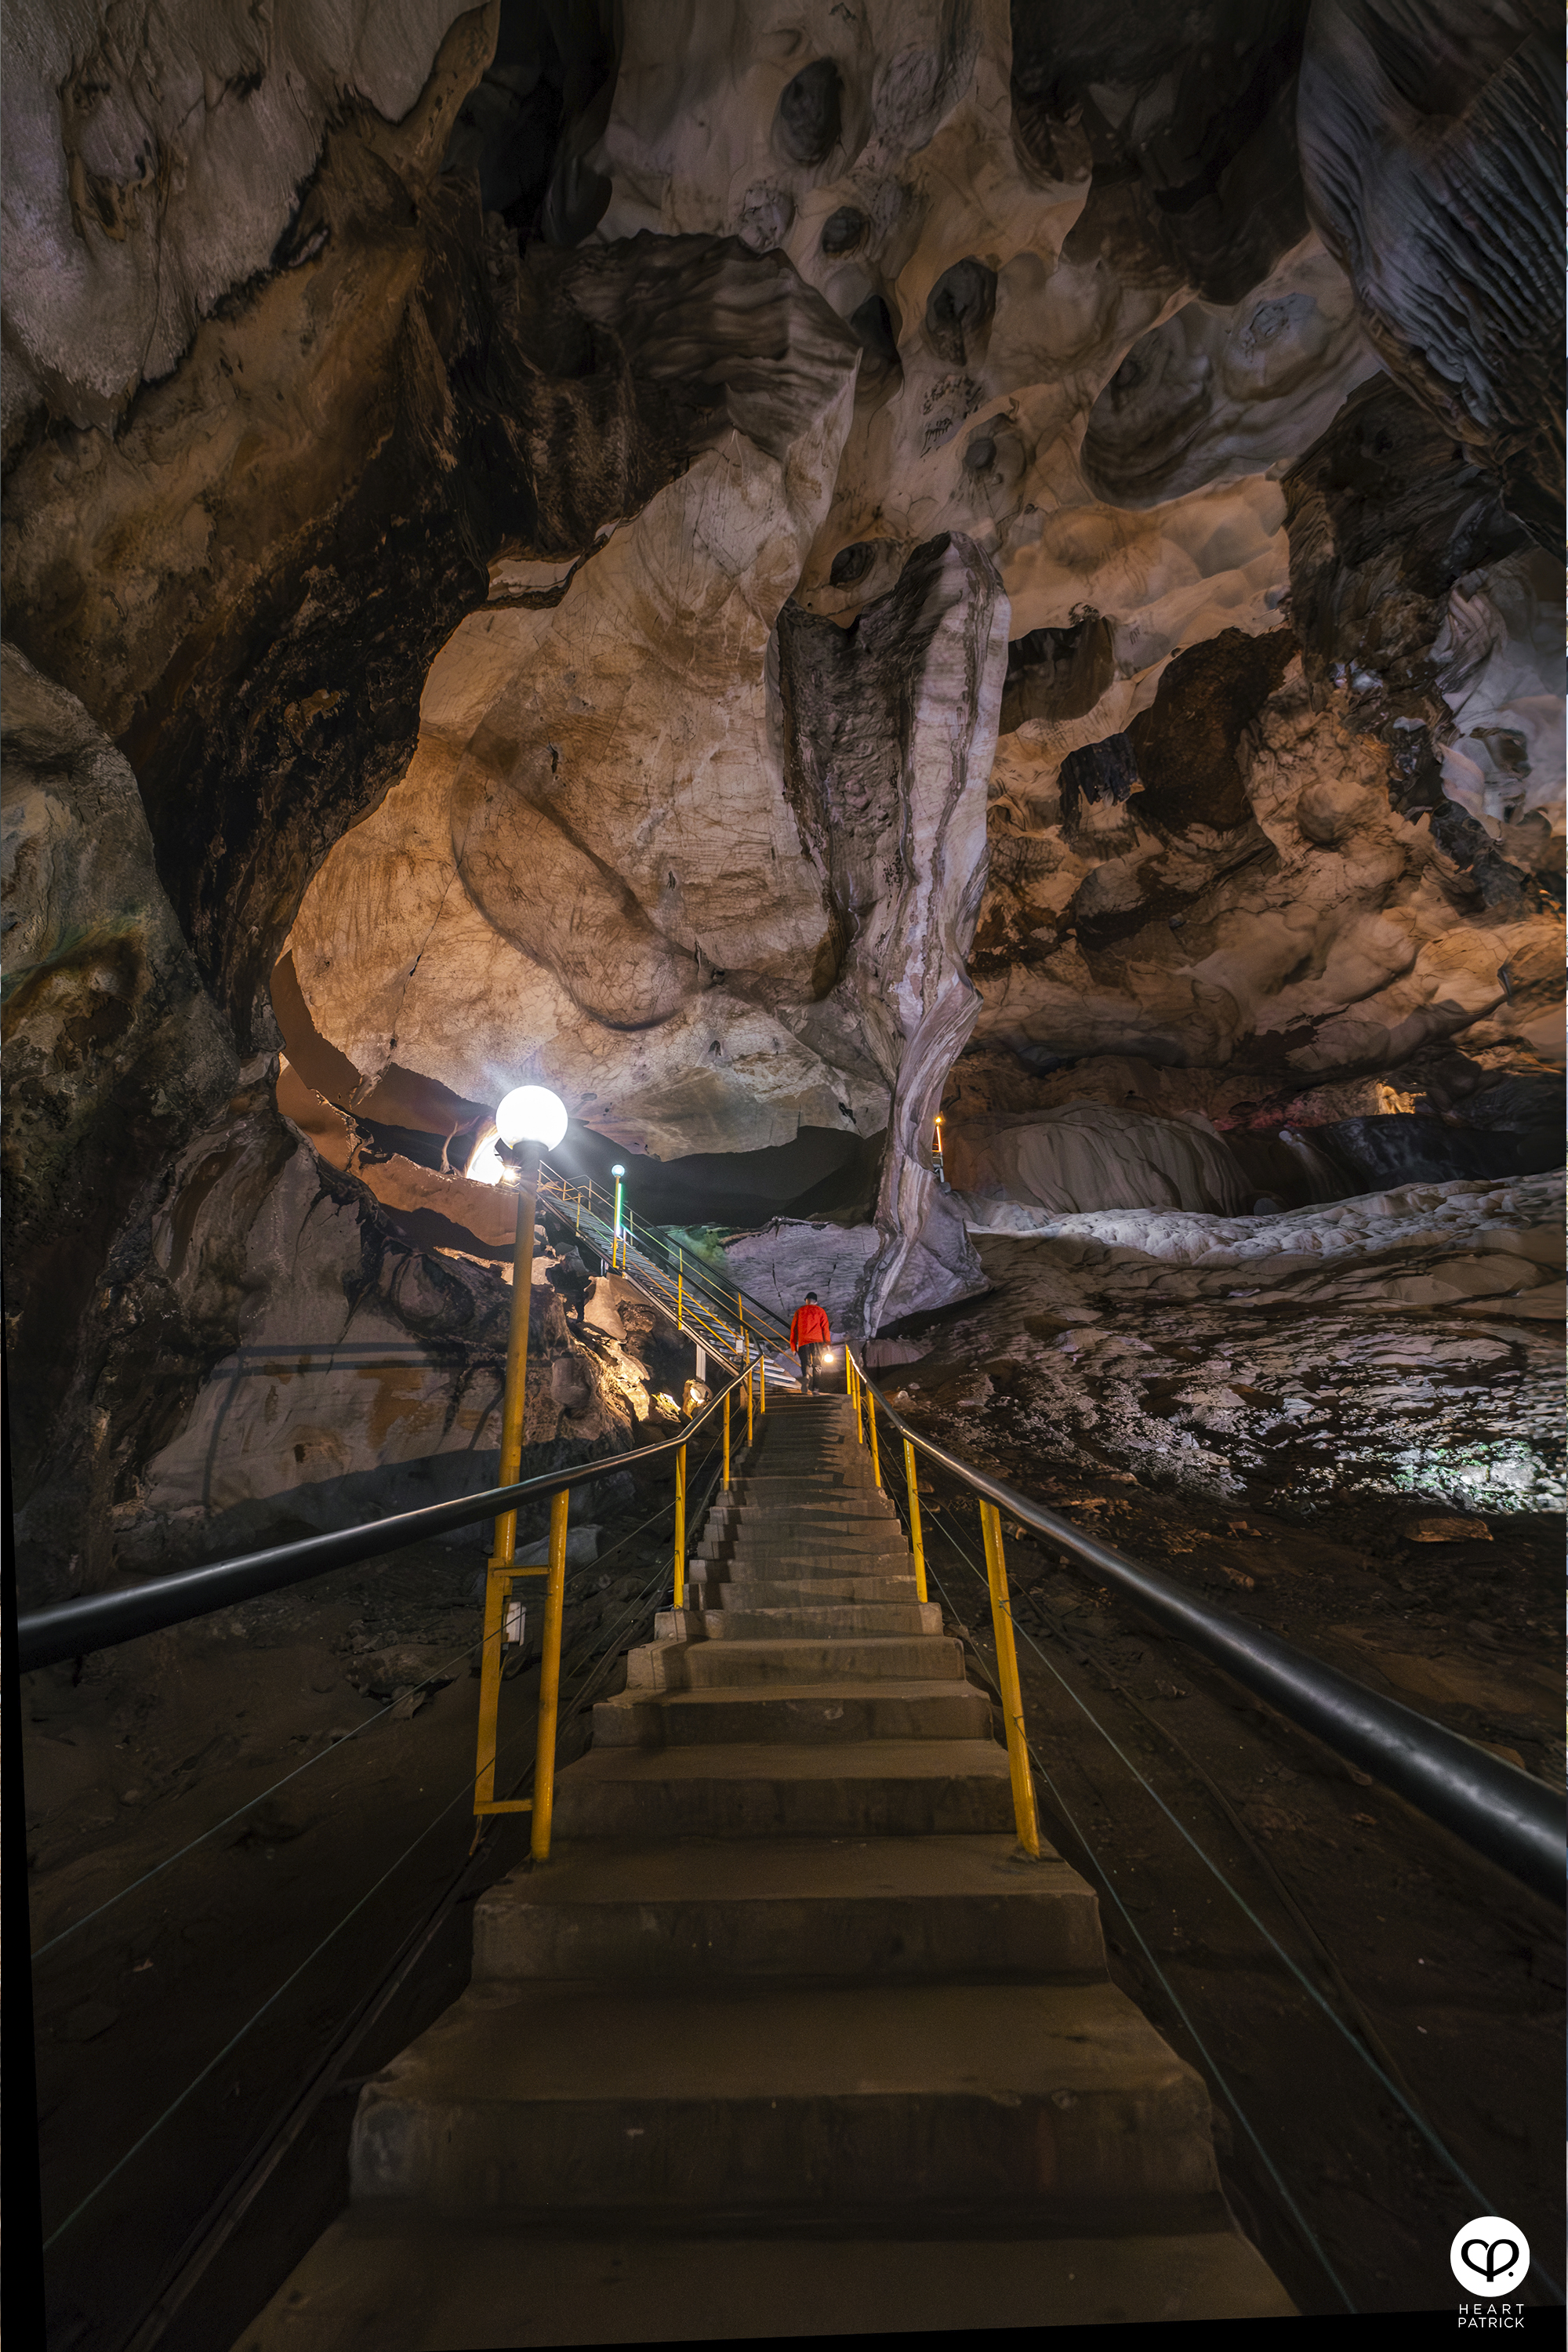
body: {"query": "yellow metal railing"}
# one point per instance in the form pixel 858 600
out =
pixel 866 1402
pixel 690 1295
pixel 503 1572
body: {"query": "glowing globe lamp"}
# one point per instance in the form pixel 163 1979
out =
pixel 531 1115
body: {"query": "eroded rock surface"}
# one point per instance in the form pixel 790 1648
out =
pixel 1427 167
pixel 113 1056
pixel 1301 926
pixel 367 1374
pixel 1402 1345
pixel 776 579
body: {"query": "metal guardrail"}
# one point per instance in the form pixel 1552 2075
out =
pixel 1503 1813
pixel 100 1621
pixel 1515 1821
pixel 721 1320
pixel 500 1578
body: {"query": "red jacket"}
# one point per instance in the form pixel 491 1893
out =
pixel 810 1323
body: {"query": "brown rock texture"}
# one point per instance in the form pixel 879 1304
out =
pixel 770 581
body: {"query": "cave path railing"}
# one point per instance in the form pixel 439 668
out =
pixel 499 1606
pixel 1516 1821
pixel 1503 1813
pixel 726 1323
pixel 99 1621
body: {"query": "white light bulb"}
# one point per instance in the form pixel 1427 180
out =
pixel 531 1115
pixel 617 1169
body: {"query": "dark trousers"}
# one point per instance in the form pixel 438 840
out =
pixel 809 1352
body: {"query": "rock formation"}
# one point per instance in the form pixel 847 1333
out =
pixel 778 576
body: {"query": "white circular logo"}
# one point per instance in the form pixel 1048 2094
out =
pixel 1489 2255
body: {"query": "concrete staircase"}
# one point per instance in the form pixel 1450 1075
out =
pixel 787 2038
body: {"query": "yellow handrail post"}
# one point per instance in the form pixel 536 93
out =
pixel 501 1565
pixel 726 1440
pixel 1007 1676
pixel 855 1393
pixel 916 1537
pixel 512 1418
pixel 750 1438
pixel 498 1590
pixel 872 1418
pixel 680 1290
pixel 680 1527
pixel 849 1371
pixel 762 1379
pixel 550 1678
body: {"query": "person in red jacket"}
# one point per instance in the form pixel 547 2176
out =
pixel 808 1334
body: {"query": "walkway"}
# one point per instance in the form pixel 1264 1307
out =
pixel 784 2038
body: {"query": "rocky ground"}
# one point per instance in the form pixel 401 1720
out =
pixel 1375 1478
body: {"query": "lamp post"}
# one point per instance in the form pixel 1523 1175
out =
pixel 618 1172
pixel 529 1120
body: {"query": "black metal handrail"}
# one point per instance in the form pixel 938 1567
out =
pixel 99 1621
pixel 1506 1814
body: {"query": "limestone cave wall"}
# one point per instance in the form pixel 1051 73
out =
pixel 780 575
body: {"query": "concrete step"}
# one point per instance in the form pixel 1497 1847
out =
pixel 821 1618
pixel 734 1664
pixel 854 1503
pixel 595 2094
pixel 831 1542
pixel 863 1537
pixel 789 1558
pixel 826 1471
pixel 888 1908
pixel 751 1568
pixel 781 1532
pixel 881 1787
pixel 744 1588
pixel 768 1486
pixel 385 2280
pixel 785 1525
pixel 833 1712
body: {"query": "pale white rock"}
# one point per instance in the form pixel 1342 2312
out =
pixel 1476 1211
pixel 1089 1155
pixel 154 160
pixel 1501 650
pixel 1216 393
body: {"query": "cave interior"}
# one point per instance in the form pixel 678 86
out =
pixel 948 621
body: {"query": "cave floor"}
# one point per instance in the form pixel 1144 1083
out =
pixel 1457 1971
pixel 163 1738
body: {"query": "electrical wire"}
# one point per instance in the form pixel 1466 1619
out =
pixel 249 1806
pixel 235 2040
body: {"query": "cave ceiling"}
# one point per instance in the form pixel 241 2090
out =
pixel 737 563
